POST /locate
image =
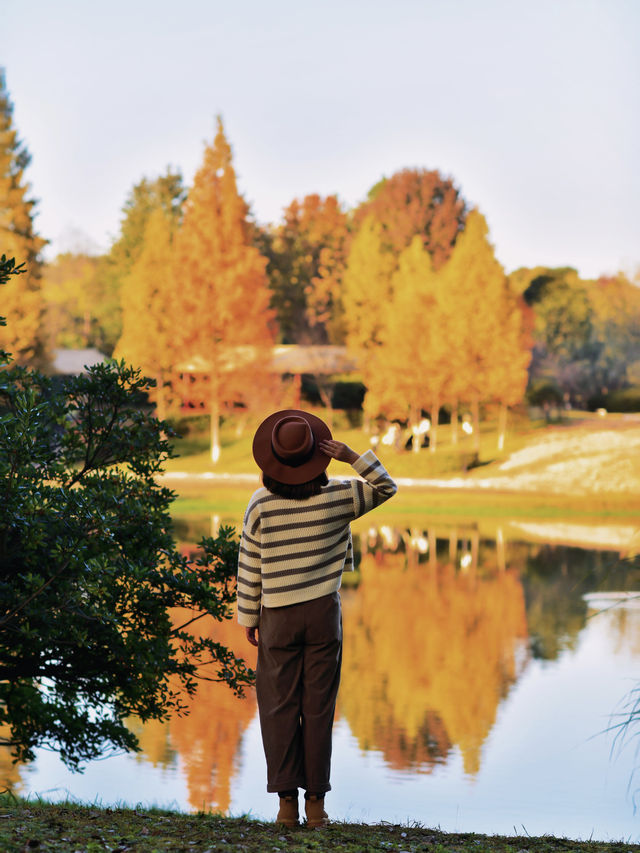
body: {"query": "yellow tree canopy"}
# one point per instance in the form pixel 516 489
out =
pixel 149 304
pixel 148 299
pixel 367 289
pixel 492 347
pixel 415 338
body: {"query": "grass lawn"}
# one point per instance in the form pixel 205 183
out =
pixel 236 457
pixel 28 826
pixel 229 499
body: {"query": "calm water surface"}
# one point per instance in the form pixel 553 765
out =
pixel 480 671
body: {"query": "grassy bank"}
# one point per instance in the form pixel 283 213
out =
pixel 451 457
pixel 28 826
pixel 198 495
pixel 229 500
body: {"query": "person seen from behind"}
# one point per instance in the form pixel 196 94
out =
pixel 295 545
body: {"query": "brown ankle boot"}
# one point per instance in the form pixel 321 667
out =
pixel 288 812
pixel 314 809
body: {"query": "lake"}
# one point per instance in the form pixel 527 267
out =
pixel 483 663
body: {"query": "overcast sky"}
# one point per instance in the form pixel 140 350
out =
pixel 531 106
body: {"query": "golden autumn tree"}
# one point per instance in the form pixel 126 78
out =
pixel 490 340
pixel 150 305
pixel 223 324
pixel 165 192
pixel 367 288
pixel 22 304
pixel 415 340
pixel 366 299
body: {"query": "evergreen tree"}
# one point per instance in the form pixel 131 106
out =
pixel 92 584
pixel 616 320
pixel 224 322
pixel 566 347
pixel 22 303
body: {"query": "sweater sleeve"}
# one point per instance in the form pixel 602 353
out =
pixel 376 487
pixel 249 569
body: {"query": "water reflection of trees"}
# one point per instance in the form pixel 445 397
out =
pixel 440 626
pixel 431 646
pixel 207 739
pixel 555 579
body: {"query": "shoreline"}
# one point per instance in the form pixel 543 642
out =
pixel 68 825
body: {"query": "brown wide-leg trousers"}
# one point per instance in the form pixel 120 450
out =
pixel 299 659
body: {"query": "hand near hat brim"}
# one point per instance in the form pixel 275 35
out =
pixel 338 450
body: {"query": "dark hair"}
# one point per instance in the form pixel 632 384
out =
pixel 299 492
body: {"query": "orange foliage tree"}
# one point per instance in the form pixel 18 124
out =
pixel 208 737
pixel 306 261
pixel 22 303
pixel 223 322
pixel 417 202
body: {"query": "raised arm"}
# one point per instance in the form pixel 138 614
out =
pixel 378 486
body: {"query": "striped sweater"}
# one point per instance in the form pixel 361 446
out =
pixel 292 551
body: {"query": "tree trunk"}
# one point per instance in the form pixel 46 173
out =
pixel 502 425
pixel 433 548
pixel 413 423
pixel 453 545
pixel 325 396
pixel 454 422
pixel 475 550
pixel 161 405
pixel 215 419
pixel 501 558
pixel 297 390
pixel 435 416
pixel 475 415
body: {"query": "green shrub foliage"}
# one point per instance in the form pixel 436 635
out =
pixel 89 570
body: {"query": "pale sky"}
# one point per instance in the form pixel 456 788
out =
pixel 531 106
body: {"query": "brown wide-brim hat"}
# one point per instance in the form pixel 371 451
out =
pixel 285 446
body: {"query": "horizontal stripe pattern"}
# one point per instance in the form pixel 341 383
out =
pixel 294 551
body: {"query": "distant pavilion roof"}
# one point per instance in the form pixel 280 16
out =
pixel 73 362
pixel 285 358
pixel 292 358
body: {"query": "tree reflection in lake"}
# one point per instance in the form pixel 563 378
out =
pixel 209 737
pixel 444 626
pixel 430 650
